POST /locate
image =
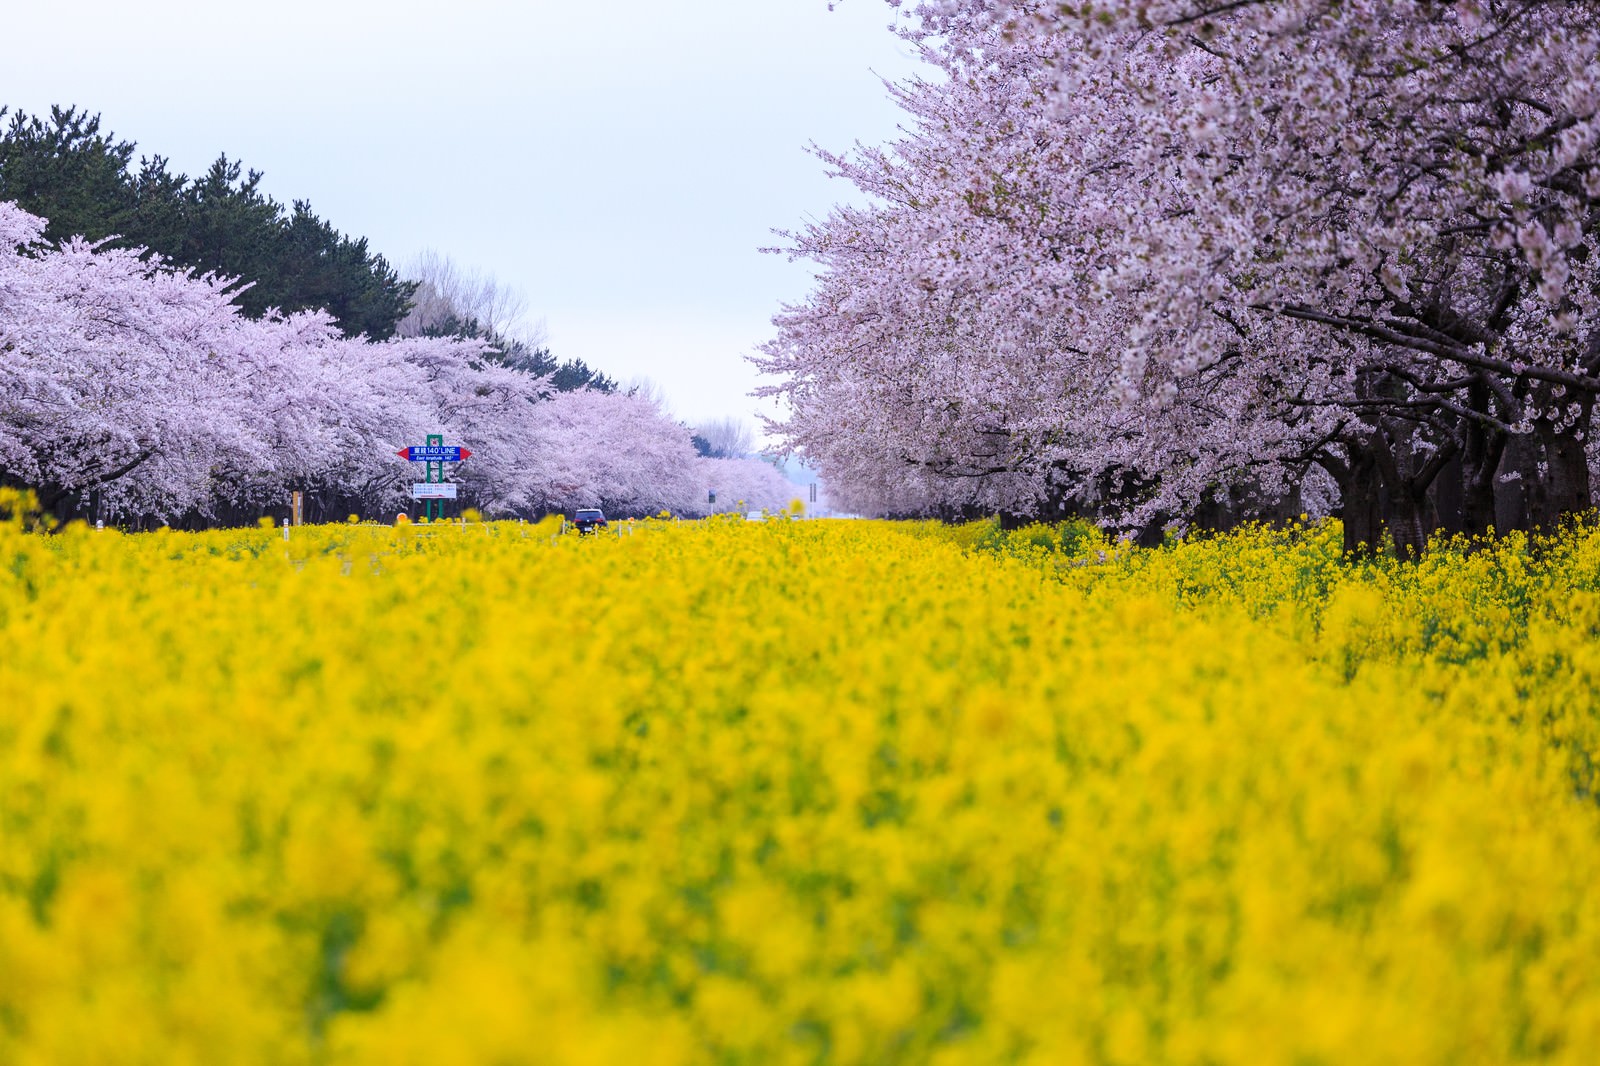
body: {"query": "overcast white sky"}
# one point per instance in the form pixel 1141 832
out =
pixel 619 163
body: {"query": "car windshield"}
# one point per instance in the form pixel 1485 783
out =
pixel 590 516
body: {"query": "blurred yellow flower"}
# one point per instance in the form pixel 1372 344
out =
pixel 810 792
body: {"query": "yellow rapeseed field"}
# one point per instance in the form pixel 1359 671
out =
pixel 794 792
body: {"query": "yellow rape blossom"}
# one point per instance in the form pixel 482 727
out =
pixel 804 792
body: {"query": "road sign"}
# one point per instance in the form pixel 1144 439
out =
pixel 433 490
pixel 434 453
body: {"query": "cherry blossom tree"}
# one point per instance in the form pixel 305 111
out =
pixel 748 484
pixel 112 380
pixel 616 451
pixel 1135 256
pixel 136 390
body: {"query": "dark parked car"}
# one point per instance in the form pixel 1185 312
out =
pixel 589 519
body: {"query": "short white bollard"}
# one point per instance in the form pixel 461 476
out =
pixel 285 529
pixel 100 525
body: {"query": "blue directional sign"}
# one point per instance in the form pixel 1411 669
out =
pixel 434 453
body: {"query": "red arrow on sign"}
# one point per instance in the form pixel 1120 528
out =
pixel 466 453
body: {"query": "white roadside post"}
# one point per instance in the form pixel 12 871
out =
pixel 285 529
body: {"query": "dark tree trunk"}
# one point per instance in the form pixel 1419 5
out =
pixel 1480 461
pixel 1481 445
pixel 1408 521
pixel 1448 497
pixel 1411 470
pixel 1154 532
pixel 1564 490
pixel 1515 477
pixel 1360 499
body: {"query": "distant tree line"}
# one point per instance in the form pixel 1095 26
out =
pixel 136 394
pixel 85 182
pixel 451 302
pixel 723 438
pixel 191 350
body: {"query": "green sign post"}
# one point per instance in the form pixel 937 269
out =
pixel 432 509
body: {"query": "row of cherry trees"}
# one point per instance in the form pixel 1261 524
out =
pixel 1164 259
pixel 132 391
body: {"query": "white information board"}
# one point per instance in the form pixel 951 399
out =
pixel 441 490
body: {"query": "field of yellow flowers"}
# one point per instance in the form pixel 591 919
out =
pixel 794 792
